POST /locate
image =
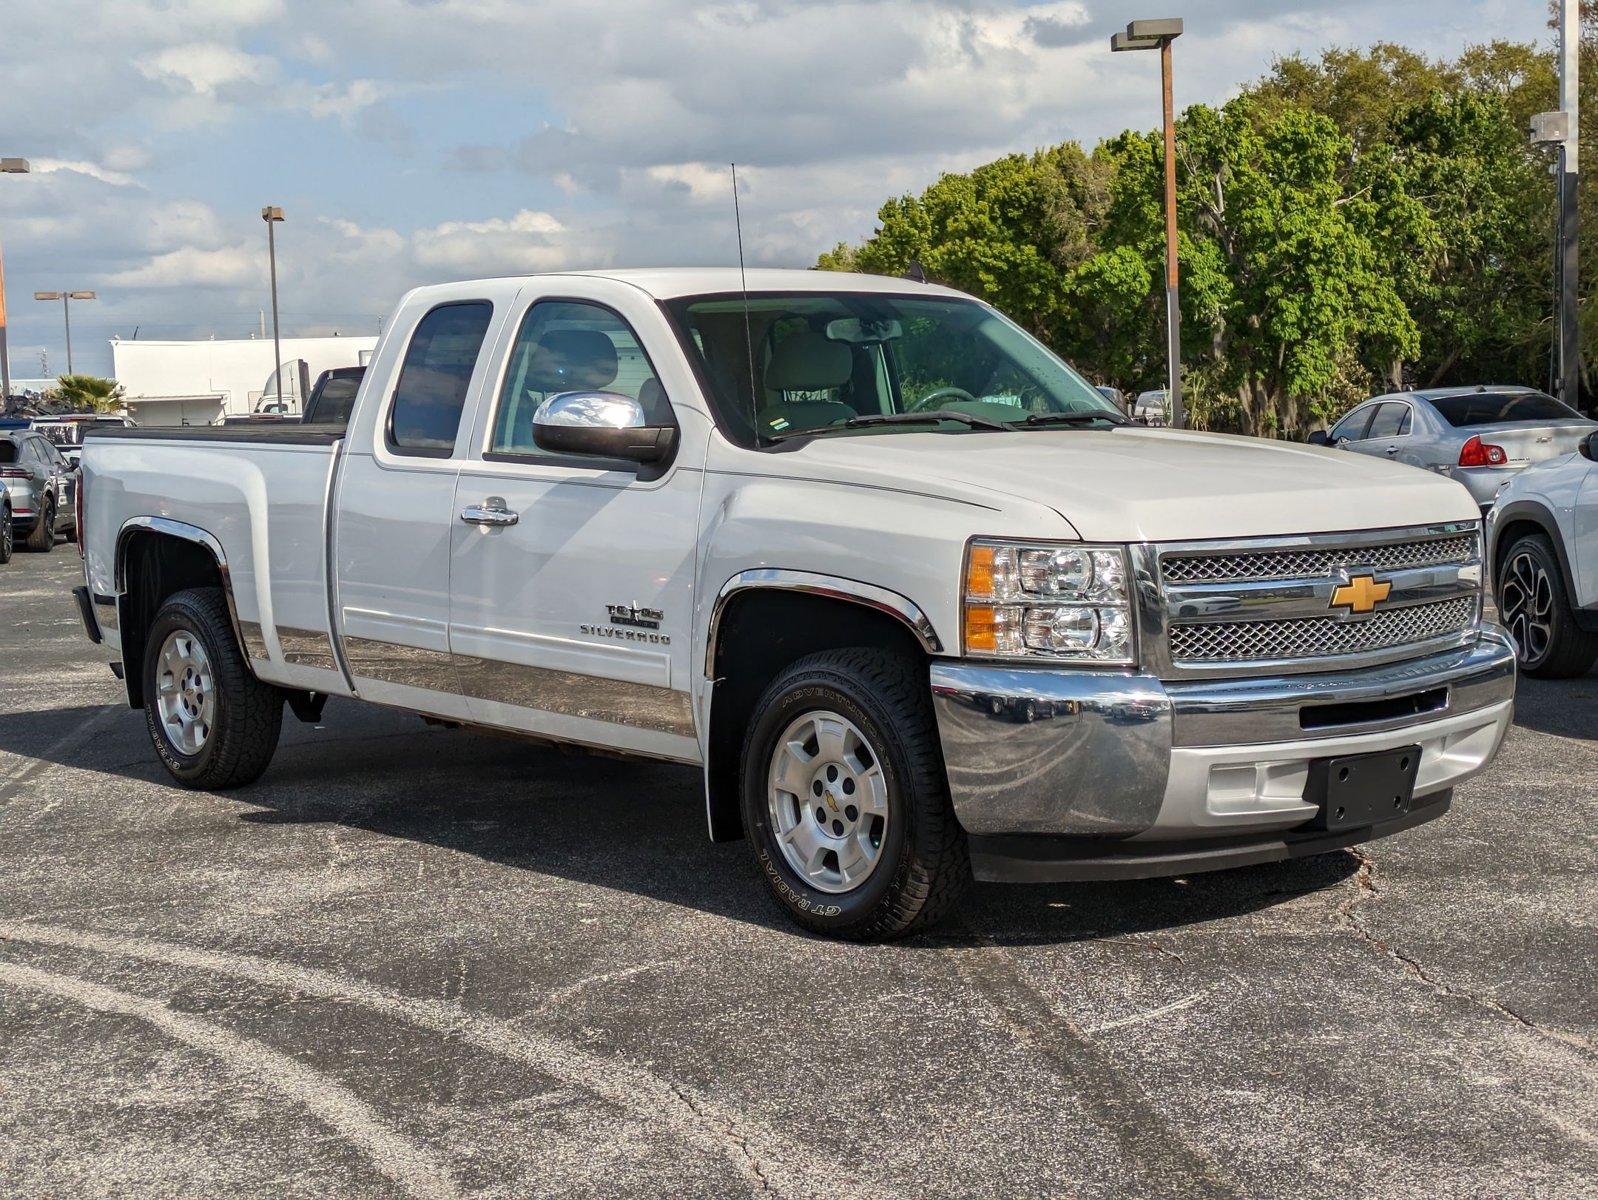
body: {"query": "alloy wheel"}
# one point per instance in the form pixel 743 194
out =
pixel 828 801
pixel 1527 602
pixel 185 692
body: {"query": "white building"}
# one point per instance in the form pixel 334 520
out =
pixel 199 383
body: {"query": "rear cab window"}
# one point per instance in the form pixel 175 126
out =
pixel 1489 408
pixel 425 414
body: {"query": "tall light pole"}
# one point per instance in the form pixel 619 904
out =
pixel 66 299
pixel 1158 35
pixel 8 166
pixel 272 215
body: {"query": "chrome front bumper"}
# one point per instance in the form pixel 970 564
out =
pixel 1081 754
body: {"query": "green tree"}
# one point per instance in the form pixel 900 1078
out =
pixel 89 393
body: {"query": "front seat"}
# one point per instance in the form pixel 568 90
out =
pixel 806 361
pixel 565 360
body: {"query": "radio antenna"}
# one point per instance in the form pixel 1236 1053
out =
pixel 743 284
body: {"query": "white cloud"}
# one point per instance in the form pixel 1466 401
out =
pixel 208 68
pixel 46 166
pixel 192 267
pixel 527 241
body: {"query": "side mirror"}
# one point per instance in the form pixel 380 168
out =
pixel 1319 437
pixel 603 424
pixel 1589 446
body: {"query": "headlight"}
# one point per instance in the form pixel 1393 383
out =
pixel 1059 602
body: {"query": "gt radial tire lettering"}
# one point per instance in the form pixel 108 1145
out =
pixel 782 885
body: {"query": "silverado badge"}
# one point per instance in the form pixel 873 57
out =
pixel 1361 594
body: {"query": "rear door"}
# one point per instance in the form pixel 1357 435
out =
pixel 396 502
pixel 1389 432
pixel 575 621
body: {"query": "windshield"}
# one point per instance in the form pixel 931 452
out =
pixel 825 360
pixel 1489 408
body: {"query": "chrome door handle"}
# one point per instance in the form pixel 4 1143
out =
pixel 1392 450
pixel 490 512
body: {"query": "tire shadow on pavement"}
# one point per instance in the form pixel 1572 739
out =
pixel 615 823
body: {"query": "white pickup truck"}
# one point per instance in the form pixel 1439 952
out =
pixel 920 602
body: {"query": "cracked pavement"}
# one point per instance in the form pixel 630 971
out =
pixel 419 962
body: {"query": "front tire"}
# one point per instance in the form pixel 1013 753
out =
pixel 41 538
pixel 846 801
pixel 1536 610
pixel 213 723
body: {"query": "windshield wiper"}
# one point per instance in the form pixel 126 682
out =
pixel 934 416
pixel 1073 418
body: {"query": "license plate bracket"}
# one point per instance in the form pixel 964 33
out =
pixel 1357 790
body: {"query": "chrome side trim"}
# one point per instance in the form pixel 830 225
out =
pixel 868 595
pixel 189 533
pixel 409 666
pixel 254 641
pixel 1040 750
pixel 306 648
pixel 1228 712
pixel 569 694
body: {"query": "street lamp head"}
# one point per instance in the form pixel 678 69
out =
pixel 47 295
pixel 83 295
pixel 1162 30
pixel 272 213
pixel 1122 41
pixel 15 166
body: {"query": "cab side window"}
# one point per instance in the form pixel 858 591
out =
pixel 431 392
pixel 1352 427
pixel 571 346
pixel 1390 421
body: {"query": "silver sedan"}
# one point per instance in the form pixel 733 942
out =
pixel 1478 435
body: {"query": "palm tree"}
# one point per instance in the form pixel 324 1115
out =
pixel 89 393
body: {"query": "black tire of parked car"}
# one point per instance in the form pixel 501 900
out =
pixel 924 866
pixel 1571 650
pixel 41 538
pixel 7 534
pixel 249 713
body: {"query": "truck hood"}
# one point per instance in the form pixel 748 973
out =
pixel 1137 484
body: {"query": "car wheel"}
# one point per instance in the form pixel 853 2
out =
pixel 1536 611
pixel 7 535
pixel 846 800
pixel 41 538
pixel 213 723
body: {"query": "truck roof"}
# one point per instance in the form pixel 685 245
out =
pixel 667 283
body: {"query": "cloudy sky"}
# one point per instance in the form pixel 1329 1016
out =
pixel 418 140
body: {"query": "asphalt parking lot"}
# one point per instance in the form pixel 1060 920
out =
pixel 419 962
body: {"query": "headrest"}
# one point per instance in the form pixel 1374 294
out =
pixel 572 360
pixel 808 362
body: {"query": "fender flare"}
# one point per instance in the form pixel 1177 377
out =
pixel 166 527
pixel 852 591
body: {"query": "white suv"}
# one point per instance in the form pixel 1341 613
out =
pixel 1543 544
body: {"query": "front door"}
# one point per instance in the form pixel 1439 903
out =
pixel 572 577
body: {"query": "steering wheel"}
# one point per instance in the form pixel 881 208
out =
pixel 927 401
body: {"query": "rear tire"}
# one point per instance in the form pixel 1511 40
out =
pixel 888 856
pixel 8 535
pixel 213 723
pixel 41 538
pixel 1536 610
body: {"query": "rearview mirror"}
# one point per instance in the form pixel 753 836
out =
pixel 1319 437
pixel 603 424
pixel 860 331
pixel 1589 446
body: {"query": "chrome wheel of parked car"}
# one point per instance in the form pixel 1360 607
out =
pixel 828 801
pixel 185 692
pixel 1527 601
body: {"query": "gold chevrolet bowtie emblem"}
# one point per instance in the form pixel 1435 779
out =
pixel 1361 594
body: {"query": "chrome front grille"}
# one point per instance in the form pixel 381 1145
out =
pixel 1297 564
pixel 1287 604
pixel 1318 637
